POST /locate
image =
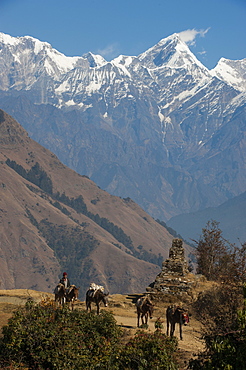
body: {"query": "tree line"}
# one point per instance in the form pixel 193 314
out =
pixel 39 177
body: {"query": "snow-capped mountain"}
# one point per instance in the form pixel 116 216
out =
pixel 159 127
pixel 232 72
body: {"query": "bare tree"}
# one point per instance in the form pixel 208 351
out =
pixel 212 252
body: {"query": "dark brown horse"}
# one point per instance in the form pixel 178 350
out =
pixel 176 315
pixel 145 310
pixel 96 297
pixel 60 294
pixel 72 295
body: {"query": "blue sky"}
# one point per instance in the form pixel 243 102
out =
pixel 215 28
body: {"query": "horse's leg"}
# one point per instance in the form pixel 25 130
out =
pixel 89 306
pixel 138 319
pixel 142 318
pixel 172 329
pixel 180 331
pixel 146 318
pixel 98 308
pixel 167 326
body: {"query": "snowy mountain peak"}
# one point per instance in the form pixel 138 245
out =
pixel 7 39
pixel 95 60
pixel 24 40
pixel 28 50
pixel 171 52
pixel 233 72
pixel 159 121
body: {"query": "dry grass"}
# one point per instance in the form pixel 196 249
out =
pixel 123 308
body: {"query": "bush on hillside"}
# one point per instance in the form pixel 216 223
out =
pixel 148 351
pixel 46 337
pixel 218 307
pixel 224 316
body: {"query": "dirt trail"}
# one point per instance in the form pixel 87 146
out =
pixel 125 314
pixel 124 311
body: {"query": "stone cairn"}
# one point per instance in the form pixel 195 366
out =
pixel 174 282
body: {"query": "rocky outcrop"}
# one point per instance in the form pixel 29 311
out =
pixel 174 282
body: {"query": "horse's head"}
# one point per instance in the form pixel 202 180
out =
pixel 105 299
pixel 150 310
pixel 76 292
pixel 185 318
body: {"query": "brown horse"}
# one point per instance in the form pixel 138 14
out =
pixel 96 297
pixel 60 294
pixel 72 295
pixel 145 310
pixel 176 315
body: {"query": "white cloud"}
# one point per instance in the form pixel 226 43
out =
pixel 189 36
pixel 202 52
pixel 109 51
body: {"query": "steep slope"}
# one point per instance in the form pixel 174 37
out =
pixel 53 219
pixel 159 127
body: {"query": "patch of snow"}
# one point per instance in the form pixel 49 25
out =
pixel 7 39
pixel 232 72
pixel 93 87
pixel 122 63
pixel 100 61
pixel 161 116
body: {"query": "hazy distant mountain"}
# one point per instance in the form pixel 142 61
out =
pixel 159 128
pixel 53 220
pixel 231 216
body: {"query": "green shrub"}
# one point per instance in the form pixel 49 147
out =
pixel 42 336
pixel 45 337
pixel 153 351
pixel 225 340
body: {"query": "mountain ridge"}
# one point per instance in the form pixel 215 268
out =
pixel 230 215
pixel 53 219
pixel 157 134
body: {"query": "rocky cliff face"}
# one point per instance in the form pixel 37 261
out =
pixel 159 128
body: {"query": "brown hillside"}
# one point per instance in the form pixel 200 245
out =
pixel 28 257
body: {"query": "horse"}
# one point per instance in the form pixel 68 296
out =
pixel 176 315
pixel 96 297
pixel 72 295
pixel 60 294
pixel 145 310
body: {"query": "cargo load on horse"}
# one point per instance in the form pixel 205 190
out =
pixel 95 294
pixel 93 288
pixel 145 310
